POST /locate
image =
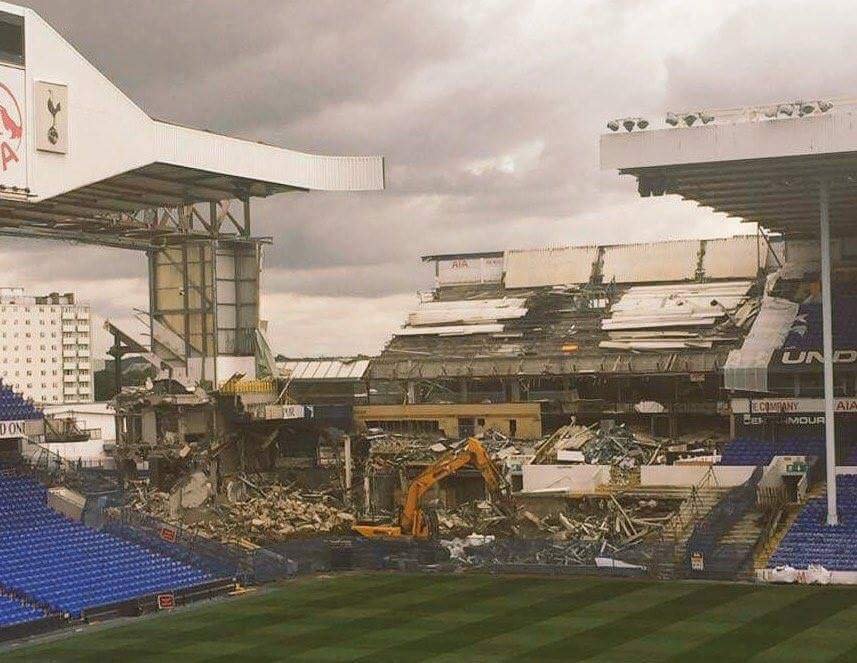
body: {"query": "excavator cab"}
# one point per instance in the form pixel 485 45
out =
pixel 422 523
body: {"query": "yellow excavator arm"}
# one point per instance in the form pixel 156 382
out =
pixel 414 522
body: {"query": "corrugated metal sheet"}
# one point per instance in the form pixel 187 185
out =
pixel 656 261
pixel 734 257
pixel 467 312
pixel 680 305
pixel 450 330
pixel 324 369
pixel 559 266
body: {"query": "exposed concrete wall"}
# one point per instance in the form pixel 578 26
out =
pixel 496 416
pixel 691 475
pixel 572 478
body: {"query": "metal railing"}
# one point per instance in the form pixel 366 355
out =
pixel 700 559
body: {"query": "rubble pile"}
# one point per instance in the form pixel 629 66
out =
pixel 480 517
pixel 617 445
pixel 262 512
pixel 604 520
pixel 491 551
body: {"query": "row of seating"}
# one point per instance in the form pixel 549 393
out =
pixel 14 612
pixel 810 540
pixel 67 567
pixel 748 451
pixel 14 407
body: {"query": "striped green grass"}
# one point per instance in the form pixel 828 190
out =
pixel 393 617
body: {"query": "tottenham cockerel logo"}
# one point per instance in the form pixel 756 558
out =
pixel 11 127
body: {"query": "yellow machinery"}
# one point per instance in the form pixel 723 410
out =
pixel 419 524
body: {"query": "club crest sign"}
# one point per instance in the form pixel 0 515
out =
pixel 13 130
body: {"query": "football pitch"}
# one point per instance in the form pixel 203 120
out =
pixel 379 617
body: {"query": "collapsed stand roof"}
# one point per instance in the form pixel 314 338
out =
pixel 568 320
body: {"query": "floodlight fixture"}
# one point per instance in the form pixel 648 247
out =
pixel 629 123
pixel 613 125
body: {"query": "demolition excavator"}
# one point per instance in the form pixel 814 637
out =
pixel 418 523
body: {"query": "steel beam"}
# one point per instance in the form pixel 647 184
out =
pixel 827 335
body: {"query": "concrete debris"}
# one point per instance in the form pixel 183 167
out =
pixel 613 524
pixel 267 512
pixel 480 517
pixel 457 547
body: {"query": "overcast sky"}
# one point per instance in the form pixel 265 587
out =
pixel 488 114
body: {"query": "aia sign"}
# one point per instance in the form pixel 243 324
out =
pixel 11 128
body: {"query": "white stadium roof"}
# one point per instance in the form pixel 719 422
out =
pixel 109 157
pixel 759 164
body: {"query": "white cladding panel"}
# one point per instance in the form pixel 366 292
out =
pixel 658 261
pixel 540 267
pixel 460 271
pixel 734 257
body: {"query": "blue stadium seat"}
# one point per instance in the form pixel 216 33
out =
pixel 14 407
pixel 745 451
pixel 810 540
pixel 806 330
pixel 65 567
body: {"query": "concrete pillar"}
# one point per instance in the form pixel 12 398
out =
pixel 514 390
pixel 412 392
pixel 827 335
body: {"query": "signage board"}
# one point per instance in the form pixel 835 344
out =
pixel 801 359
pixel 169 534
pixel 787 406
pixel 697 562
pixel 10 429
pixel 51 104
pixel 13 128
pixel 166 601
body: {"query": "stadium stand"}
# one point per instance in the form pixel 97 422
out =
pixel 811 541
pixel 746 451
pixel 14 612
pixel 14 407
pixel 806 330
pixel 64 566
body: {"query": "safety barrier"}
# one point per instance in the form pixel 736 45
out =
pixel 223 560
pixel 704 556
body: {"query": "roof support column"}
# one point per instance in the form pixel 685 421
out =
pixel 827 335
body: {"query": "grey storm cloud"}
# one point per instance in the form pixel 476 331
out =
pixel 488 115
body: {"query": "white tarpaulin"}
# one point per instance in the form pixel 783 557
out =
pixel 746 368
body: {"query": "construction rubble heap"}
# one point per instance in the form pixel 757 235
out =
pixel 253 512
